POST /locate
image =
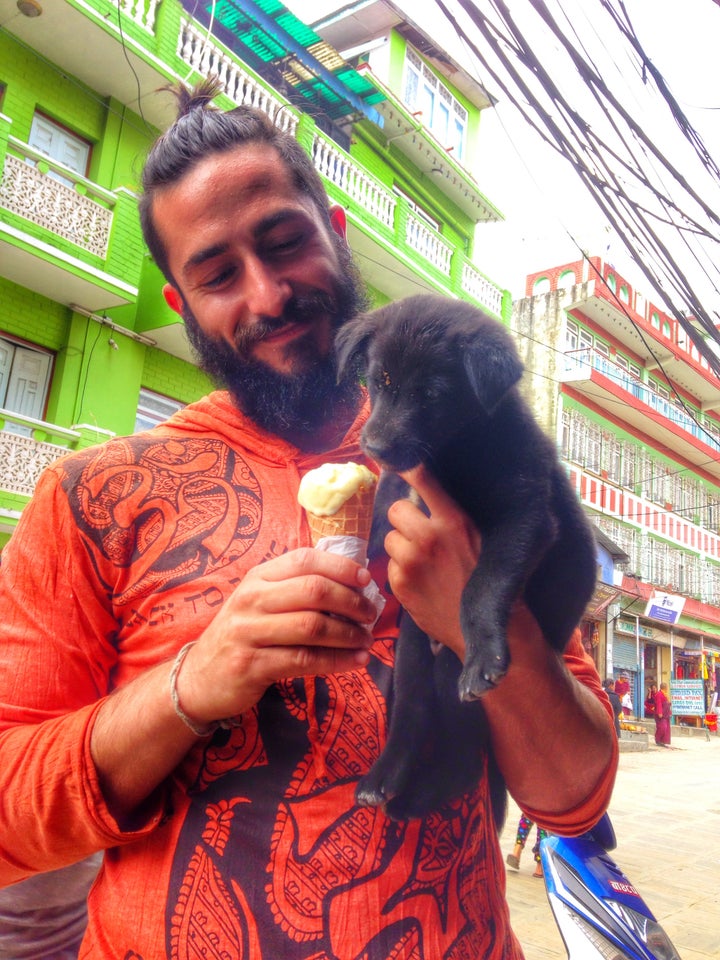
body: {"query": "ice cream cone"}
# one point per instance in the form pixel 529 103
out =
pixel 353 519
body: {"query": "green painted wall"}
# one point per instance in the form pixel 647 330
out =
pixel 173 377
pixel 92 383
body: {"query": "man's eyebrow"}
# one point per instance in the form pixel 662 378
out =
pixel 202 256
pixel 264 226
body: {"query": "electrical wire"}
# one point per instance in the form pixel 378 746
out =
pixel 517 68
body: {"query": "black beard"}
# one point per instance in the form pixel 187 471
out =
pixel 291 405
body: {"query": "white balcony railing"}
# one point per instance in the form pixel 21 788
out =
pixel 23 456
pixel 484 291
pixel 141 12
pixel 331 161
pixel 30 188
pixel 210 60
pixel 580 363
pixel 339 168
pixel 428 243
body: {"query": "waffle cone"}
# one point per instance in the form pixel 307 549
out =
pixel 353 519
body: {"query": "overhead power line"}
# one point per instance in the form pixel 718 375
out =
pixel 665 211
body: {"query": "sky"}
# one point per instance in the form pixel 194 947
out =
pixel 549 216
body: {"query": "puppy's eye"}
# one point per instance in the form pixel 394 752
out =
pixel 384 382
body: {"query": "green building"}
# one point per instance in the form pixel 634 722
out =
pixel 88 348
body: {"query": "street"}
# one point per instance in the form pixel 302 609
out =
pixel 666 814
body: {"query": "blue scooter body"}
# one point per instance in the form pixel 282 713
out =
pixel 600 914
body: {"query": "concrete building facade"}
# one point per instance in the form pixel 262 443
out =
pixel 636 414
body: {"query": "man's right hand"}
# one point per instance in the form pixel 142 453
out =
pixel 299 614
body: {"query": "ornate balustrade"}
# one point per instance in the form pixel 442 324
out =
pixel 141 12
pixel 428 243
pixel 484 291
pixel 337 166
pixel 340 169
pixel 209 59
pixel 27 447
pixel 51 195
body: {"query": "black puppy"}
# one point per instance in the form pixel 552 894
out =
pixel 442 378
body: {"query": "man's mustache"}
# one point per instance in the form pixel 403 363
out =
pixel 300 310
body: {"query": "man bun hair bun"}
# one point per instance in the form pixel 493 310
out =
pixel 198 97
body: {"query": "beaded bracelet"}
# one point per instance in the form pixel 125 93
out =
pixel 197 729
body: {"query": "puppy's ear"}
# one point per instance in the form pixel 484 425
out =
pixel 351 343
pixel 493 367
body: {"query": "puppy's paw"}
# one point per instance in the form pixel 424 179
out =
pixel 480 675
pixel 379 786
pixel 369 795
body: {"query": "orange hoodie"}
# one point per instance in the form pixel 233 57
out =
pixel 255 847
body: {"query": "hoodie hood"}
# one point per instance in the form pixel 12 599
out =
pixel 216 414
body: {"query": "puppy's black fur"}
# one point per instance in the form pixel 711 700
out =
pixel 442 378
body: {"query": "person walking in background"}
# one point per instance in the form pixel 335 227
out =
pixel 525 825
pixel 622 689
pixel 614 699
pixel 650 702
pixel 663 712
pixel 627 705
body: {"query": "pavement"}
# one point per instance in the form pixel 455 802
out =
pixel 666 814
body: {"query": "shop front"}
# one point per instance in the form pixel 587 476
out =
pixel 697 666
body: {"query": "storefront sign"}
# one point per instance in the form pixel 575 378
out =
pixel 603 596
pixel 687 698
pixel 665 606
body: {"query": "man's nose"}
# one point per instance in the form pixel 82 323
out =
pixel 266 291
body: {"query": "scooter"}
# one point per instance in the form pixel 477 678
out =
pixel 600 914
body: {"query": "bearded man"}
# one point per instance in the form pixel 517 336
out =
pixel 190 687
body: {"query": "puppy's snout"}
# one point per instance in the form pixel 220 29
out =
pixel 374 447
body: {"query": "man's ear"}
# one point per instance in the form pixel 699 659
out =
pixel 338 221
pixel 173 298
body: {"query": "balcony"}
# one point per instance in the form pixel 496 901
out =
pixel 609 386
pixel 596 290
pixel 112 46
pixel 415 257
pixel 79 211
pixel 614 508
pixel 52 219
pixel 375 214
pixel 27 447
pixel 63 247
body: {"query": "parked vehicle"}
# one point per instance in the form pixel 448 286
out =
pixel 600 914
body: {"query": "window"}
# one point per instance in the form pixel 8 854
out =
pixel 582 441
pixel 602 348
pixel 632 368
pixel 612 457
pixel 577 339
pixel 24 375
pixel 629 459
pixel 58 143
pixel 441 113
pixel 24 378
pixel 571 335
pixel 154 408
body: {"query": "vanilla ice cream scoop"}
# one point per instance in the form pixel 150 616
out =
pixel 338 499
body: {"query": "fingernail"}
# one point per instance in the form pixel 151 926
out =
pixel 363 576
